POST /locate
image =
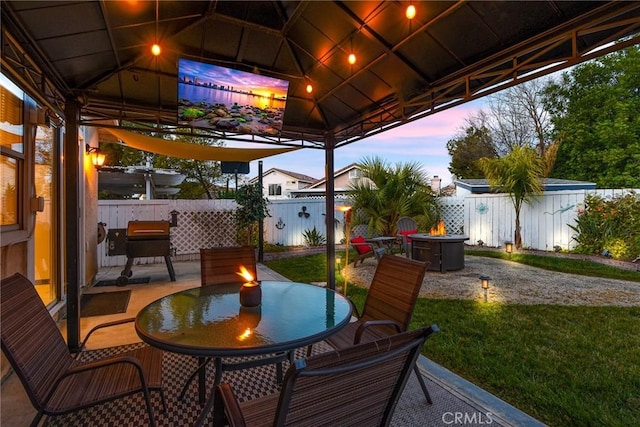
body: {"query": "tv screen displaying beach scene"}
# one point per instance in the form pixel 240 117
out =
pixel 225 99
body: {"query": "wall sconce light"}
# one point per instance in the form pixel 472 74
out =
pixel 97 157
pixel 508 247
pixel 484 280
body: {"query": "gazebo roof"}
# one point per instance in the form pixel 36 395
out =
pixel 98 52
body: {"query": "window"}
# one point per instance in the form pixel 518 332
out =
pixel 9 191
pixel 12 154
pixel 355 173
pixel 275 190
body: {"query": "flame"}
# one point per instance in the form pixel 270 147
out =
pixel 246 334
pixel 244 273
pixel 439 230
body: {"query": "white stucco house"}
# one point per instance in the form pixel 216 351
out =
pixel 343 178
pixel 279 183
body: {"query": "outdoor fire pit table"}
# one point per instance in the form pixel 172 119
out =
pixel 444 253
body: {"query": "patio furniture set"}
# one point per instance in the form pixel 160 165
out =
pixel 210 323
pixel 442 252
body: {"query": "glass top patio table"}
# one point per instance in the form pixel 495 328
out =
pixel 210 322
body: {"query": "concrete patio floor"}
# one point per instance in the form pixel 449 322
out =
pixel 453 396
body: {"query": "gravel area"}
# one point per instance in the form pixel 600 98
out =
pixel 516 283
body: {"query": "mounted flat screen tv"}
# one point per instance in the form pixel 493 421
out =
pixel 225 99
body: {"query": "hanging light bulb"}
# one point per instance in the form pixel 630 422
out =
pixel 411 11
pixel 309 88
pixel 352 58
pixel 155 49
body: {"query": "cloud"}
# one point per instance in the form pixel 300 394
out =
pixel 423 141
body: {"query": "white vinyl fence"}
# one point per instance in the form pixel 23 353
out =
pixel 544 224
pixel 489 218
pixel 201 224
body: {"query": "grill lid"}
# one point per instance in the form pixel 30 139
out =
pixel 147 229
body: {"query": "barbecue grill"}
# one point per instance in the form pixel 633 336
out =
pixel 147 239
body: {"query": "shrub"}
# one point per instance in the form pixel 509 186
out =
pixel 313 237
pixel 612 225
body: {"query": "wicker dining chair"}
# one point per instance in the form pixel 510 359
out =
pixel 388 306
pixel 221 264
pixel 356 386
pixel 55 381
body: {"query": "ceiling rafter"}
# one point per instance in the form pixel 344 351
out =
pixel 391 84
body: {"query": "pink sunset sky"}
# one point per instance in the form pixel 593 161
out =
pixel 423 141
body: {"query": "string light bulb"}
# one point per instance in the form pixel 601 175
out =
pixel 352 58
pixel 155 49
pixel 411 11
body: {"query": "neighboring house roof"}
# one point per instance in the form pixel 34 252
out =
pixel 300 177
pixel 448 191
pixel 478 186
pixel 337 173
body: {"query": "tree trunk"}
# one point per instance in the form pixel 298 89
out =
pixel 517 241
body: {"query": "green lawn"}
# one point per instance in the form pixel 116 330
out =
pixel 576 366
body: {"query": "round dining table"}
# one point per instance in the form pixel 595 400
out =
pixel 210 322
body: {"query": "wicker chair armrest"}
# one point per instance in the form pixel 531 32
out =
pixel 99 364
pixel 370 323
pixel 100 326
pixel 226 408
pixel 371 245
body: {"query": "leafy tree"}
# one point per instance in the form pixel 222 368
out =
pixel 385 193
pixel 121 155
pixel 518 174
pixel 252 207
pixel 596 113
pixel 466 149
pixel 201 175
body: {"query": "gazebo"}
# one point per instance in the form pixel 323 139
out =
pixel 353 69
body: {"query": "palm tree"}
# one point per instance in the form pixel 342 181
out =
pixel 385 193
pixel 520 175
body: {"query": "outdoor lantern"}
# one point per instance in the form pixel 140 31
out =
pixel 508 246
pixel 485 286
pixel 97 157
pixel 250 292
pixel 338 261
